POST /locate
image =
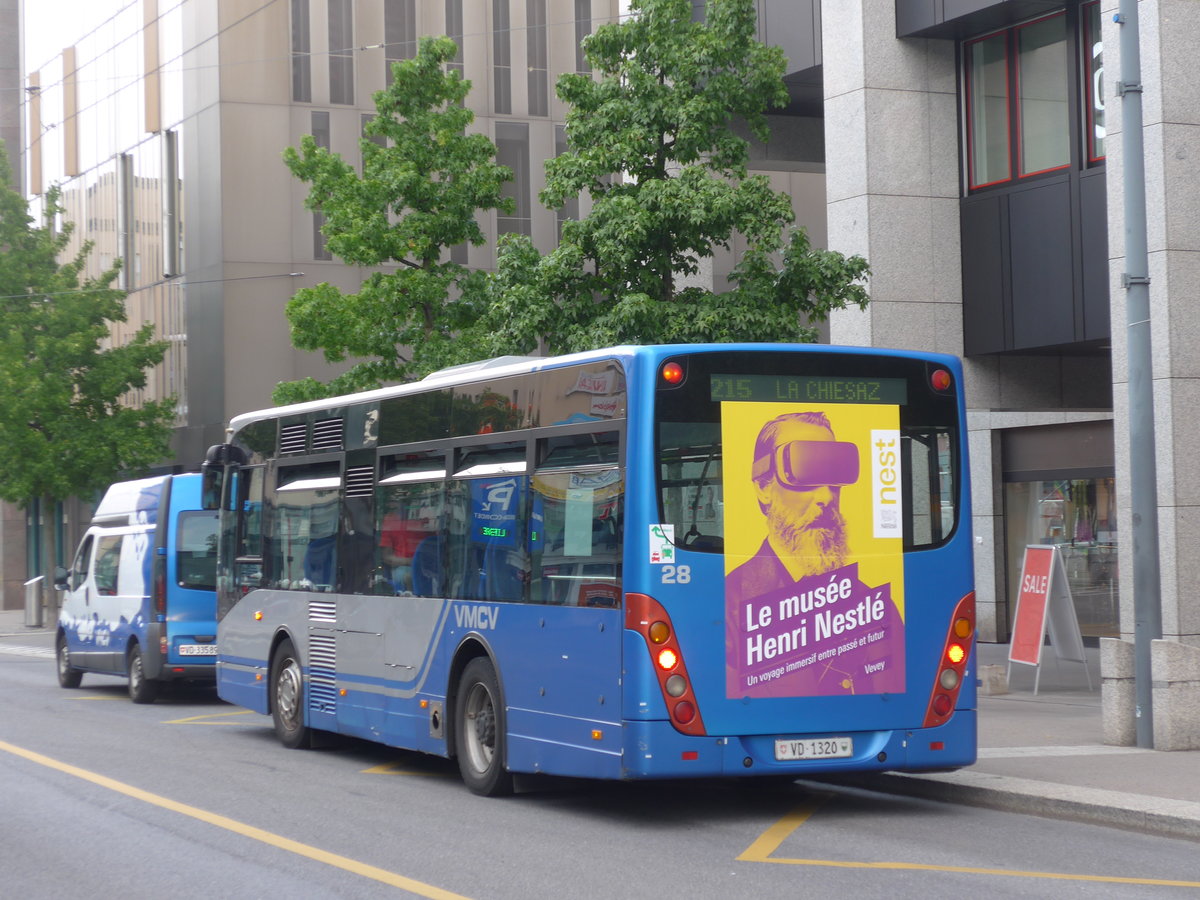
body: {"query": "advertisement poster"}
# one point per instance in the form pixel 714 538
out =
pixel 814 586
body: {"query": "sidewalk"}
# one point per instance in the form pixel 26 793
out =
pixel 1040 754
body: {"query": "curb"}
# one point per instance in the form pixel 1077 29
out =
pixel 1115 809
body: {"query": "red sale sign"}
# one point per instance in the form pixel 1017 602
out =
pixel 1029 622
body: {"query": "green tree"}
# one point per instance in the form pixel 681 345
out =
pixel 416 197
pixel 652 141
pixel 63 427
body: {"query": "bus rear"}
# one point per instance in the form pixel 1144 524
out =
pixel 798 566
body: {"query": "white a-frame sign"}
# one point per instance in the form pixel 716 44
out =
pixel 1044 602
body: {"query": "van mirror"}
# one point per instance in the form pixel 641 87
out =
pixel 61 578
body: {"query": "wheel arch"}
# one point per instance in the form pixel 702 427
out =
pixel 472 647
pixel 283 634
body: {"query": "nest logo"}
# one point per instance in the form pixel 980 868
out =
pixel 886 496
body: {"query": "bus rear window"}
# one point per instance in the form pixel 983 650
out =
pixel 806 424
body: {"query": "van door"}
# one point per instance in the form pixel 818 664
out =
pixel 75 615
pixel 104 601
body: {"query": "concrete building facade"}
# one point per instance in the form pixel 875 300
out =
pixel 970 150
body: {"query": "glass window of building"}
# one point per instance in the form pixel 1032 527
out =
pixel 341 51
pixel 1093 66
pixel 1028 92
pixel 301 48
pixel 1077 515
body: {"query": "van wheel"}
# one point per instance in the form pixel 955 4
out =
pixel 287 698
pixel 68 676
pixel 141 688
pixel 479 731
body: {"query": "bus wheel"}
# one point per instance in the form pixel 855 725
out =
pixel 68 677
pixel 479 735
pixel 141 688
pixel 287 698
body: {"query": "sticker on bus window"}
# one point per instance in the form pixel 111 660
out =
pixel 814 564
pixel 662 544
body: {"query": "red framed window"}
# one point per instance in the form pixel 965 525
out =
pixel 1093 82
pixel 1017 85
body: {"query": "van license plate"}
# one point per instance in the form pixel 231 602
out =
pixel 790 749
pixel 197 649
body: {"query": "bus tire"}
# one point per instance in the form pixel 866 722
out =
pixel 68 675
pixel 479 735
pixel 287 698
pixel 141 688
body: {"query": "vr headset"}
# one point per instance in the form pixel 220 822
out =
pixel 804 465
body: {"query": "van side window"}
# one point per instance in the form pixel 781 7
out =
pixel 196 550
pixel 79 568
pixel 108 558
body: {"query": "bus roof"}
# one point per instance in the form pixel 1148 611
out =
pixel 516 365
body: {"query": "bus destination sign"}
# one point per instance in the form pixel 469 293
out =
pixel 809 389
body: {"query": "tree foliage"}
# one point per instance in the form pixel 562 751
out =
pixel 64 429
pixel 652 140
pixel 416 197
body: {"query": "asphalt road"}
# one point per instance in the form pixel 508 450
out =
pixel 191 798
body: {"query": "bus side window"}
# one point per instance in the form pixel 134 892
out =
pixel 575 537
pixel 303 545
pixel 408 551
pixel 487 555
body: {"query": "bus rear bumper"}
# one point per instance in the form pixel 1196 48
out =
pixel 675 755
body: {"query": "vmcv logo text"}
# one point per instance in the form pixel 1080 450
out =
pixel 482 618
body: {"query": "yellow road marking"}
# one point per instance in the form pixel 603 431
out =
pixel 773 837
pixel 394 768
pixel 257 834
pixel 207 717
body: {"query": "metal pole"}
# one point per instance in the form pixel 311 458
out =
pixel 1143 477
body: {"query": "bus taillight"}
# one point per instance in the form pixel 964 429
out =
pixel 952 667
pixel 646 616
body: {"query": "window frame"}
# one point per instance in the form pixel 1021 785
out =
pixel 1079 95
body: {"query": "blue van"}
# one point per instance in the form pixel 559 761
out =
pixel 140 598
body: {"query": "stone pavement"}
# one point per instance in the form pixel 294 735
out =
pixel 1039 754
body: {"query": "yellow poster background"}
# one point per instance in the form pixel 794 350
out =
pixel 880 560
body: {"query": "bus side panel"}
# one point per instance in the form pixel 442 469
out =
pixel 244 643
pixel 559 668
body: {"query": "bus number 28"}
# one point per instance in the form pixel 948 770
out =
pixel 676 574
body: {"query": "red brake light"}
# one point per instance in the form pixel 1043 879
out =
pixel 684 712
pixel 160 586
pixel 953 665
pixel 672 373
pixel 941 380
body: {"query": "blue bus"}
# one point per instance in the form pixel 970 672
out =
pixel 631 563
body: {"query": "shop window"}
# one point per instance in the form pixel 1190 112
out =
pixel 1079 517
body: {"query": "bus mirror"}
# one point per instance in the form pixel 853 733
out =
pixel 212 478
pixel 217 462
